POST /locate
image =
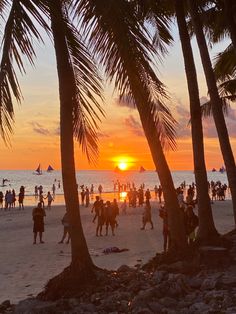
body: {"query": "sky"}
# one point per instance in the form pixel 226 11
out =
pixel 36 128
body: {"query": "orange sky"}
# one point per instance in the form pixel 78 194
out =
pixel 36 131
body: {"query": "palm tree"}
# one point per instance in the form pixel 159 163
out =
pixel 123 47
pixel 216 101
pixel 78 86
pixel 207 231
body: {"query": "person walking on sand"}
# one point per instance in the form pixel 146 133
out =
pixel 147 215
pixel 38 219
pixel 50 199
pixel 65 223
pixel 95 208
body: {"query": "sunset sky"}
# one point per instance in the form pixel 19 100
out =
pixel 36 131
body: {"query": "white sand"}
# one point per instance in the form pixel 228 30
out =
pixel 25 268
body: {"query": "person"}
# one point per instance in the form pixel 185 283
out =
pixel 41 198
pixel 165 230
pixel 115 210
pixel 109 217
pixel 38 218
pixel 50 199
pixel 36 191
pixel 1 199
pixel 148 195
pixel 191 223
pixel 82 193
pixel 100 218
pixel 65 223
pixel 95 207
pixel 21 200
pixel 124 207
pixel 147 215
pixel 156 191
pixel 100 189
pixel 87 197
pixel 160 193
pixel 53 189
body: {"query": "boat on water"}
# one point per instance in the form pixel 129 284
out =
pixel 117 169
pixel 50 168
pixel 38 171
pixel 222 169
pixel 142 169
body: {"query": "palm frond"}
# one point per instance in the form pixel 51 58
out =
pixel 225 64
pixel 122 45
pixel 88 94
pixel 206 108
pixel 16 45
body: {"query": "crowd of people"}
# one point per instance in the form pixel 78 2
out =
pixel 106 212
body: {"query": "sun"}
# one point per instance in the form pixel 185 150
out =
pixel 122 165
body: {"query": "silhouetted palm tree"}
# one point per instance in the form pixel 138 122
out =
pixel 206 231
pixel 78 88
pixel 216 101
pixel 121 43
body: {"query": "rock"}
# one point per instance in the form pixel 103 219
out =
pixel 199 307
pixel 155 307
pixel 159 275
pixel 195 282
pixel 6 303
pixel 168 302
pixel 33 306
pixel 125 268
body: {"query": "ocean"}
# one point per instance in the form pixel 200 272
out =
pixel 106 178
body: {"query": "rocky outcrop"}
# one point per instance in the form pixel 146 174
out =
pixel 164 290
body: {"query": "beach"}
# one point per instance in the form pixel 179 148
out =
pixel 25 268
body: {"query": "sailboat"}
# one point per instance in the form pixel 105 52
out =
pixel 142 169
pixel 50 168
pixel 38 170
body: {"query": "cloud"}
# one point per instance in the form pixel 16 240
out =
pixel 125 102
pixel 38 128
pixel 183 116
pixel 134 126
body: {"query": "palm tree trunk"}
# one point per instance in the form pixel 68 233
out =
pixel 216 103
pixel 81 263
pixel 175 215
pixel 207 230
pixel 230 13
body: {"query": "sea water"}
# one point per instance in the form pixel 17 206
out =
pixel 107 178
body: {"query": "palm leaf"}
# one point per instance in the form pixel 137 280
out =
pixel 123 47
pixel 225 64
pixel 17 45
pixel 87 109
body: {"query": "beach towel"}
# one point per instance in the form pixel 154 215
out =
pixel 114 249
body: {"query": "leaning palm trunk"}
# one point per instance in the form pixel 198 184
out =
pixel 175 217
pixel 81 263
pixel 216 104
pixel 207 230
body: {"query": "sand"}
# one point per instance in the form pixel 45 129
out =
pixel 25 268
